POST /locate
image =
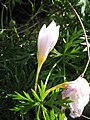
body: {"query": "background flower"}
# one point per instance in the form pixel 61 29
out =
pixel 78 91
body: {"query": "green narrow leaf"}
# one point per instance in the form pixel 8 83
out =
pixel 43 87
pixel 38 113
pixel 43 108
pixel 18 96
pixel 40 91
pixel 52 116
pixel 35 95
pixel 47 116
pixel 28 96
pixel 62 116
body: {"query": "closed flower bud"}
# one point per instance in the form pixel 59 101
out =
pixel 78 91
pixel 47 39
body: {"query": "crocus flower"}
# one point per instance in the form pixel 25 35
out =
pixel 78 91
pixel 47 39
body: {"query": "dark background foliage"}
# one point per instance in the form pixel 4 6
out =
pixel 20 22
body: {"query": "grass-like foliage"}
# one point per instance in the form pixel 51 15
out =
pixel 20 23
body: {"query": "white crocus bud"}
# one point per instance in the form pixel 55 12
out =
pixel 47 39
pixel 78 91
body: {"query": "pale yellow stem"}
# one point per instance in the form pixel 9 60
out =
pixel 62 85
pixel 37 75
pixel 40 63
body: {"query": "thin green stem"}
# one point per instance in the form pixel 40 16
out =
pixel 85 35
pixel 2 19
pixel 64 69
pixel 22 117
pixel 83 28
pixel 82 75
pixel 37 75
pixel 51 71
pixel 10 11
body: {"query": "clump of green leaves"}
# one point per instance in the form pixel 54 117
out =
pixel 46 104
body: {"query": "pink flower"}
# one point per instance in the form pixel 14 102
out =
pixel 78 91
pixel 47 39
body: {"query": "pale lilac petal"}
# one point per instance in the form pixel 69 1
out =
pixel 52 25
pixel 54 37
pixel 80 96
pixel 42 38
pixel 42 31
pixel 47 39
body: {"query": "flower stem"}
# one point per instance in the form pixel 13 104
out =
pixel 62 85
pixel 85 117
pixel 37 75
pixel 51 71
pixel 83 28
pixel 82 75
pixel 85 35
pixel 64 71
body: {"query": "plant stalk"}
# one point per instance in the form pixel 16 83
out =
pixel 85 35
pixel 37 75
